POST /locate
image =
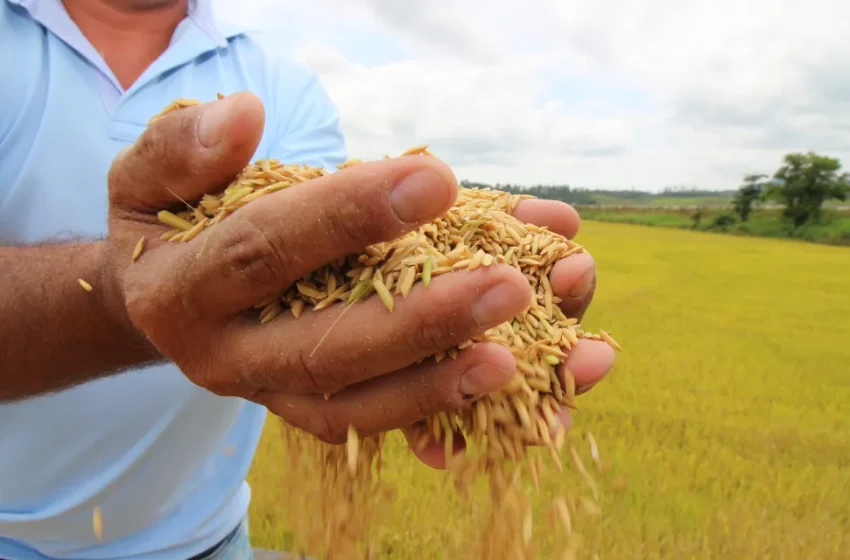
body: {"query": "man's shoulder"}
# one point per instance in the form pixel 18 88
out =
pixel 275 60
pixel 301 115
pixel 15 27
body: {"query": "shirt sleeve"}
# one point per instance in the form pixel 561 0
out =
pixel 305 123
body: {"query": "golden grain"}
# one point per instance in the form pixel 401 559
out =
pixel 427 267
pixel 609 340
pixel 478 231
pixel 382 291
pixel 137 251
pixel 349 163
pixel 174 220
pixel 416 150
pixel 195 231
pixel 86 286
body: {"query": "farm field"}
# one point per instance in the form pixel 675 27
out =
pixel 832 229
pixel 724 427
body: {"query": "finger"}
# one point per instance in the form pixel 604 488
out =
pixel 559 217
pixel 326 351
pixel 398 399
pixel 589 362
pixel 187 153
pixel 433 453
pixel 268 244
pixel 573 279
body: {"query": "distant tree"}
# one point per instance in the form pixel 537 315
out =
pixel 805 182
pixel 696 217
pixel 750 192
pixel 722 221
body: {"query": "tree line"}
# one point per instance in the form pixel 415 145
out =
pixel 581 195
pixel 802 184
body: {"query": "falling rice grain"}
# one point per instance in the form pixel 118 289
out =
pixel 564 514
pixel 478 230
pixel 594 451
pixel 97 523
pixel 352 449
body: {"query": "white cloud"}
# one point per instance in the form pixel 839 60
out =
pixel 472 115
pixel 615 93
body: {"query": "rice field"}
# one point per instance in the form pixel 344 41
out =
pixel 724 428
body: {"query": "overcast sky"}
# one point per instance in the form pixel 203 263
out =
pixel 602 93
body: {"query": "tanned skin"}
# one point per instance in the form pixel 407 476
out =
pixel 60 335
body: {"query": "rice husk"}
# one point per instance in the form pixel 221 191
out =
pixel 335 491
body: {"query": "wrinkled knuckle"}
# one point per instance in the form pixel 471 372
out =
pixel 252 256
pixel 317 377
pixel 256 369
pixel 168 143
pixel 431 333
pixel 363 222
pixel 179 147
pixel 151 145
pixel 438 399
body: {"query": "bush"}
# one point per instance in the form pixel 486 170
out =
pixel 723 221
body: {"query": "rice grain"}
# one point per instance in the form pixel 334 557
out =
pixel 478 231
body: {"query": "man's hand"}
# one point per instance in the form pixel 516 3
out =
pixel 195 301
pixel 574 281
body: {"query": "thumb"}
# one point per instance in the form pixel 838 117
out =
pixel 188 152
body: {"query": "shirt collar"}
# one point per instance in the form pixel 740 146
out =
pixel 201 12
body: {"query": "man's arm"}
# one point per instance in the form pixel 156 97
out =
pixel 54 333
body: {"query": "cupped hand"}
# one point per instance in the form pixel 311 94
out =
pixel 573 279
pixel 197 306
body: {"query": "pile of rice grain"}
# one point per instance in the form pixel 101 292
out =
pixel 337 490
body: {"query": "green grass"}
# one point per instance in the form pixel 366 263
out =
pixel 712 201
pixel 725 424
pixel 833 228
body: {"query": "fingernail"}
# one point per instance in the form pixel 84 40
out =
pixel 481 379
pixel 585 282
pixel 581 389
pixel 420 196
pixel 500 303
pixel 214 122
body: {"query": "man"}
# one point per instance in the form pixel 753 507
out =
pixel 144 398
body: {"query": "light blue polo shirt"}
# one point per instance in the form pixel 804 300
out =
pixel 164 460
